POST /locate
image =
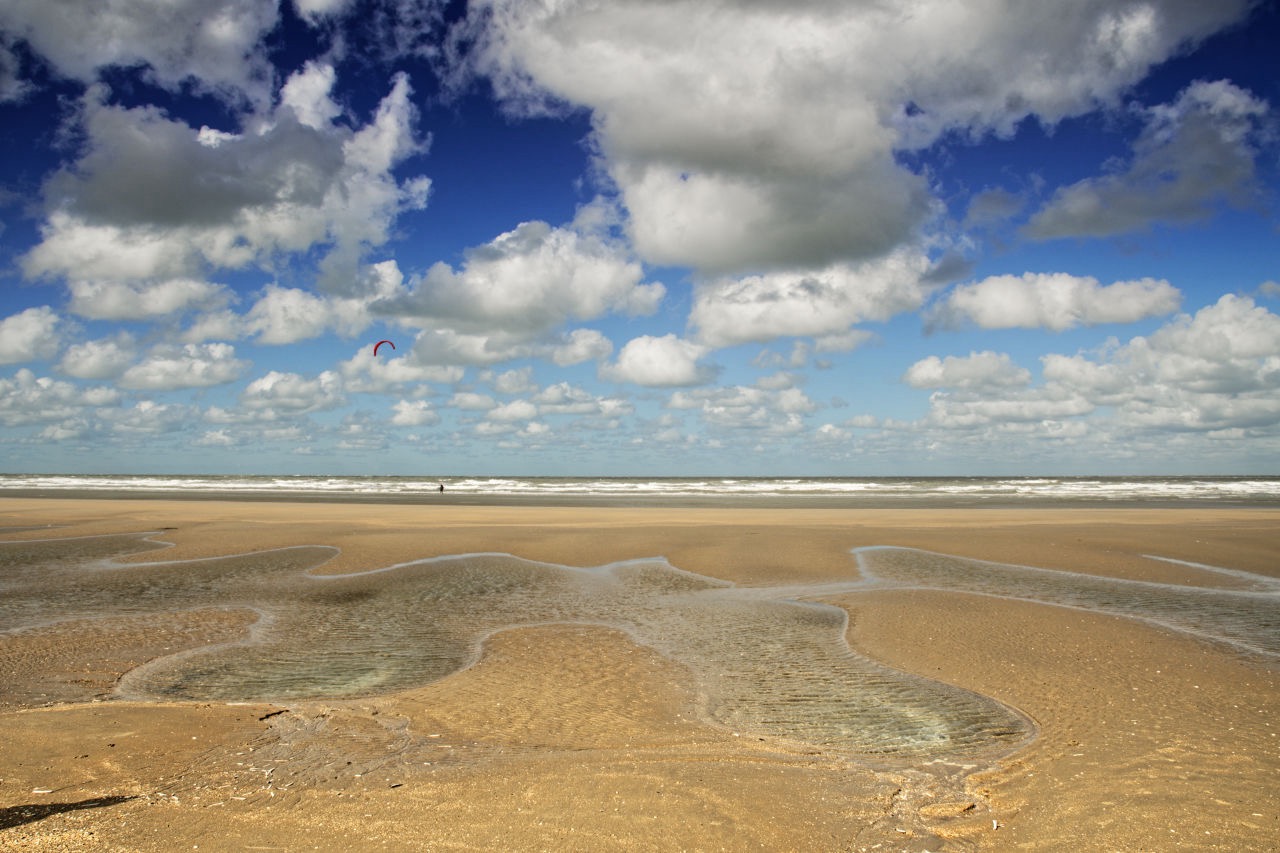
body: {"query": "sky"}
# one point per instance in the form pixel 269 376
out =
pixel 651 237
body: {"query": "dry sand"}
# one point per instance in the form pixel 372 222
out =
pixel 573 737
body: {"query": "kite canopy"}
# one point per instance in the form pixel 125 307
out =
pixel 380 343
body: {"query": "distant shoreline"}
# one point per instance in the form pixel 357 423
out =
pixel 727 501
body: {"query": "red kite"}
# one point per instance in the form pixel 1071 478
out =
pixel 380 343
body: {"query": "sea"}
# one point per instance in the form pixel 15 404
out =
pixel 1238 490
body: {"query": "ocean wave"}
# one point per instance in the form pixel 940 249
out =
pixel 975 489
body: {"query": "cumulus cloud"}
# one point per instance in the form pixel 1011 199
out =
pixel 27 399
pixel 565 399
pixel 469 400
pixel 446 347
pixel 779 412
pixel 28 335
pixel 124 300
pixel 153 199
pixel 279 395
pixel 286 315
pixel 581 345
pixel 515 381
pixel 821 304
pixel 529 281
pixel 105 358
pixel 216 438
pixel 414 413
pixel 147 417
pixel 1055 301
pixel 1193 153
pixel 366 373
pixel 307 94
pixel 212 44
pixel 977 370
pixel 516 410
pixel 1216 370
pixel 657 362
pixel 169 367
pixel 762 136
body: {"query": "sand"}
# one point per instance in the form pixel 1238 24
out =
pixel 575 737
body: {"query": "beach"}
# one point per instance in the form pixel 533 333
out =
pixel 1121 730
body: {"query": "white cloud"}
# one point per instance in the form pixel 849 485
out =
pixel 289 394
pixel 28 399
pixel 535 430
pixel 414 413
pixel 366 373
pixel 529 281
pixel 147 417
pixel 471 401
pixel 307 94
pixel 286 315
pixel 820 304
pixel 658 361
pixel 832 434
pixel 779 381
pixel 742 408
pixel 489 428
pixel 69 430
pixel 13 89
pixel 1234 329
pixel 153 199
pixel 28 335
pixel 216 438
pixel 762 136
pixel 977 370
pixel 515 381
pixel 314 10
pixel 1055 301
pixel 168 367
pixel 1216 370
pixel 1193 153
pixel 581 345
pixel 565 399
pixel 105 358
pixel 215 44
pixel 516 410
pixel 123 300
pixel 967 411
pixel 214 325
pixel 445 347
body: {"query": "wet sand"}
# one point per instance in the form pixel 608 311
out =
pixel 578 737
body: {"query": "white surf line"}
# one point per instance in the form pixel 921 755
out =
pixel 1264 581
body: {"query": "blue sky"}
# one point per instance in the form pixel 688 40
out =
pixel 660 237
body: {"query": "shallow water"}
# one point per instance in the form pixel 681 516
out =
pixel 764 660
pixel 1246 618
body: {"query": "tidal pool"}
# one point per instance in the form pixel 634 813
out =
pixel 766 660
